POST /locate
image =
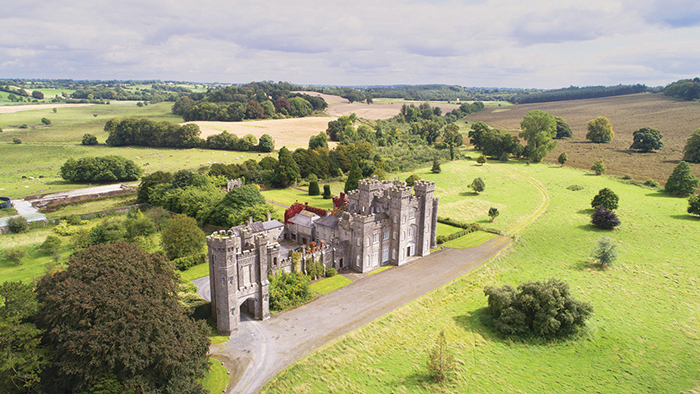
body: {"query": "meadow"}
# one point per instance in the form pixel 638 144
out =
pixel 644 336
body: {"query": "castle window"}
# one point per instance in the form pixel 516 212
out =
pixel 363 209
pixel 393 253
pixel 410 232
pixel 412 214
pixel 394 234
pixel 230 280
pixel 395 218
pixel 386 235
pixel 233 311
pixel 369 240
pixel 223 281
pixel 358 242
pixel 358 262
pixel 376 238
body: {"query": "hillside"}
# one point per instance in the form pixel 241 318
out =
pixel 676 120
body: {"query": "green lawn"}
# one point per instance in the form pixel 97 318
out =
pixel 217 378
pixel 33 265
pixel 290 196
pixel 470 240
pixel 327 285
pixel 378 270
pixel 196 272
pixel 446 229
pixel 5 212
pixel 94 206
pixel 644 336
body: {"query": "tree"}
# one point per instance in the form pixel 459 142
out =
pixel 647 139
pixel 51 244
pixel 139 225
pixel 282 105
pixel 412 179
pixel 108 231
pixel 320 140
pixel 257 212
pixel 353 177
pixel 477 131
pixel 563 158
pixel 38 95
pixel 234 201
pixel 139 104
pixel 436 166
pixel 15 254
pixel 598 167
pixel 538 129
pixel 694 205
pixel 563 129
pixel 440 361
pixel 266 143
pixel 600 130
pixel 605 198
pixel 46 121
pixel 182 237
pixel 478 185
pixel 150 181
pixel 287 170
pixel 543 309
pixel 605 253
pixel 18 224
pixel 313 188
pixel 605 219
pixel 481 160
pixel 254 110
pixel 493 214
pixel 100 169
pixel 327 192
pixel 21 357
pixel 16 141
pixel 691 151
pixel 681 182
pixel 89 139
pixel 140 334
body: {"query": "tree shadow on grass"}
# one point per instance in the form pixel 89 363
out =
pixel 587 212
pixel 593 229
pixel 469 194
pixel 661 194
pixel 479 321
pixel 687 217
pixel 588 265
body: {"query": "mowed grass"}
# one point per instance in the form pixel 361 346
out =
pixel 446 229
pixel 93 206
pixel 327 285
pixel 33 265
pixel 217 377
pixel 470 240
pixel 290 196
pixel 196 272
pixel 644 336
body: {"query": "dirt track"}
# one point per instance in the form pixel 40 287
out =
pixel 10 109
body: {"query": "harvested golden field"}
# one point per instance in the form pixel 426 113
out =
pixel 11 109
pixel 675 119
pixel 292 133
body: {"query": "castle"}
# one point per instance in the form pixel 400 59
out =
pixel 383 224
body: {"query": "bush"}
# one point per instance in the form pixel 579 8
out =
pixel 182 237
pixel 575 187
pixel 108 231
pixel 46 121
pixel 691 151
pixel 600 130
pixel 89 139
pixel 540 309
pixel 23 126
pixel 493 213
pixel 412 179
pixel 15 254
pixel 17 140
pixel 598 167
pixel 482 159
pixel 563 158
pixel 331 272
pixel 436 167
pixel 605 253
pixel 51 244
pixel 602 218
pixel 694 205
pixel 647 139
pixel 139 226
pixel 327 192
pixel 440 361
pixel 18 224
pixel 478 185
pixel 288 290
pixel 681 182
pixel 184 263
pixel 605 198
pixel 74 220
pixel 65 229
pixel 313 188
pixel 651 183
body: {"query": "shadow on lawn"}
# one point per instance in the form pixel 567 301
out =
pixel 686 217
pixel 479 321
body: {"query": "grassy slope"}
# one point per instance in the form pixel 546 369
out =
pixel 327 285
pixel 643 338
pixel 217 378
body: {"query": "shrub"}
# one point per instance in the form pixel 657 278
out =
pixel 493 213
pixel 436 167
pixel 186 262
pixel 694 205
pixel 412 179
pixel 89 139
pixel 605 253
pixel 288 290
pixel 23 126
pixel 18 224
pixel 51 244
pixel 17 140
pixel 110 230
pixel 575 187
pixel 602 218
pixel 598 167
pixel 15 254
pixel 181 237
pixel 440 361
pixel 647 139
pixel 74 220
pixel 482 159
pixel 313 188
pixel 651 183
pixel 139 226
pixel 562 158
pixel 331 272
pixel 605 198
pixel 46 121
pixel 541 309
pixel 691 151
pixel 600 130
pixel 478 185
pixel 681 182
pixel 65 229
pixel 327 192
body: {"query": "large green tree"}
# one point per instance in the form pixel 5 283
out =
pixel 182 237
pixel 647 139
pixel 681 182
pixel 600 130
pixel 150 181
pixel 538 129
pixel 477 131
pixel 353 177
pixel 563 129
pixel 115 312
pixel 691 151
pixel 234 201
pixel 287 170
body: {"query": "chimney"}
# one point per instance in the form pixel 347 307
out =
pixel 269 216
pixel 250 220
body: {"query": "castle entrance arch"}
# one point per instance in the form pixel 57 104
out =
pixel 411 249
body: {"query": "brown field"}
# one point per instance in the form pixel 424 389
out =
pixel 675 119
pixel 292 133
pixel 10 109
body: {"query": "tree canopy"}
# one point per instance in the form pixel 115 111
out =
pixel 682 182
pixel 114 311
pixel 538 129
pixel 182 237
pixel 605 198
pixel 353 177
pixel 691 151
pixel 647 139
pixel 600 130
pixel 100 169
pixel 563 129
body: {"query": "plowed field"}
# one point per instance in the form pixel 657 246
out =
pixel 675 119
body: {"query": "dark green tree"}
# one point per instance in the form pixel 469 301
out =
pixel 598 167
pixel 21 357
pixel 477 131
pixel 600 130
pixel 141 334
pixel 266 143
pixel 478 185
pixel 46 121
pixel 412 179
pixel 563 129
pixel 436 166
pixel 108 231
pixel 234 201
pixel 38 95
pixel 287 170
pixel 320 140
pixel 647 139
pixel 493 213
pixel 538 129
pixel 51 244
pixel 481 160
pixel 694 205
pixel 563 158
pixel 89 139
pixel 353 177
pixel 182 237
pixel 149 181
pixel 327 192
pixel 681 182
pixel 605 198
pixel 691 151
pixel 313 188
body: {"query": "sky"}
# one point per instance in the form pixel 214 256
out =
pixel 474 43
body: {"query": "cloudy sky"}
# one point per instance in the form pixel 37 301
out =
pixel 495 43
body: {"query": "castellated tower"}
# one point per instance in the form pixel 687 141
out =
pixel 238 271
pixel 399 202
pixel 426 216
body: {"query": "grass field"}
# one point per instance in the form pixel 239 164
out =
pixel 675 119
pixel 290 196
pixel 196 272
pixel 93 206
pixel 217 378
pixel 327 285
pixel 446 229
pixel 470 240
pixel 644 336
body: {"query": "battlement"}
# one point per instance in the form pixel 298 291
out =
pixel 423 187
pixel 221 239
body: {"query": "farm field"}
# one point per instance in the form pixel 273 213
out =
pixel 675 119
pixel 644 336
